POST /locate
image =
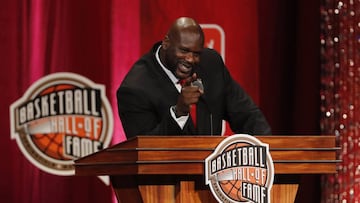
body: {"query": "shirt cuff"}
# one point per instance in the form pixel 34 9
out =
pixel 180 120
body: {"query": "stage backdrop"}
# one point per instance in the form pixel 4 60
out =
pixel 101 39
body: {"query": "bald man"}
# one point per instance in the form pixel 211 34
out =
pixel 157 94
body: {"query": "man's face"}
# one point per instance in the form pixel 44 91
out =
pixel 182 55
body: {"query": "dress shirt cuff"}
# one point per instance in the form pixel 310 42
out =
pixel 180 120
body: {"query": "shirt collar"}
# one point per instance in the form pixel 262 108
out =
pixel 172 77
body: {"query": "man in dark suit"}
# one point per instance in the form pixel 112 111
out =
pixel 152 101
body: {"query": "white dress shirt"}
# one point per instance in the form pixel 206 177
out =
pixel 182 119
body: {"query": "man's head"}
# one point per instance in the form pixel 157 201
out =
pixel 181 47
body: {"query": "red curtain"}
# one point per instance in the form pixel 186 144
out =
pixel 96 39
pixel 271 49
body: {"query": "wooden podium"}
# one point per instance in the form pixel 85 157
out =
pixel 171 168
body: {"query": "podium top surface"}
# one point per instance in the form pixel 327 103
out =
pixel 308 154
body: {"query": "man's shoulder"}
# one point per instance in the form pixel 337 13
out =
pixel 209 53
pixel 210 57
pixel 144 71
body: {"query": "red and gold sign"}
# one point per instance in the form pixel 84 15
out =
pixel 240 170
pixel 61 117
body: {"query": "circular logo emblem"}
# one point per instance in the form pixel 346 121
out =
pixel 61 117
pixel 240 170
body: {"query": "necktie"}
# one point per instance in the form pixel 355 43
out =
pixel 193 114
pixel 192 107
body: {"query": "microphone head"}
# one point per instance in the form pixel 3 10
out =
pixel 198 83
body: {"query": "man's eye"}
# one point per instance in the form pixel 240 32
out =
pixel 183 51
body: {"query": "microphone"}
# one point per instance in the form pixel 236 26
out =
pixel 198 83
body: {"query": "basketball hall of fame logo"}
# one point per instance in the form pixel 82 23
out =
pixel 61 117
pixel 240 170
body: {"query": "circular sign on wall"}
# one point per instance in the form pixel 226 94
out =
pixel 60 118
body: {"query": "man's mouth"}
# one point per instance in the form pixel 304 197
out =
pixel 184 68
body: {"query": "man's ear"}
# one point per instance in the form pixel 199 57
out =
pixel 165 42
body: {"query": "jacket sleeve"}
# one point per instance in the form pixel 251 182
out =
pixel 140 116
pixel 228 100
pixel 241 112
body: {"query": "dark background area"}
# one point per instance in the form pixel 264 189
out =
pixel 289 33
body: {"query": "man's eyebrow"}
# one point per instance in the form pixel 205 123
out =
pixel 188 50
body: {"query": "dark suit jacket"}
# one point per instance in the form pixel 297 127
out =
pixel 146 95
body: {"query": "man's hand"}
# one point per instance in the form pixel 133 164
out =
pixel 189 95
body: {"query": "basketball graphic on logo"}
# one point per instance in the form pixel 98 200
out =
pixel 232 188
pixel 50 144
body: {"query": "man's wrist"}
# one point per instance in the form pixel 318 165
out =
pixel 178 113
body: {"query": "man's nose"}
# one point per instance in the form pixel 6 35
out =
pixel 190 57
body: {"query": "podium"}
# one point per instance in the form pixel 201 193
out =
pixel 171 168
